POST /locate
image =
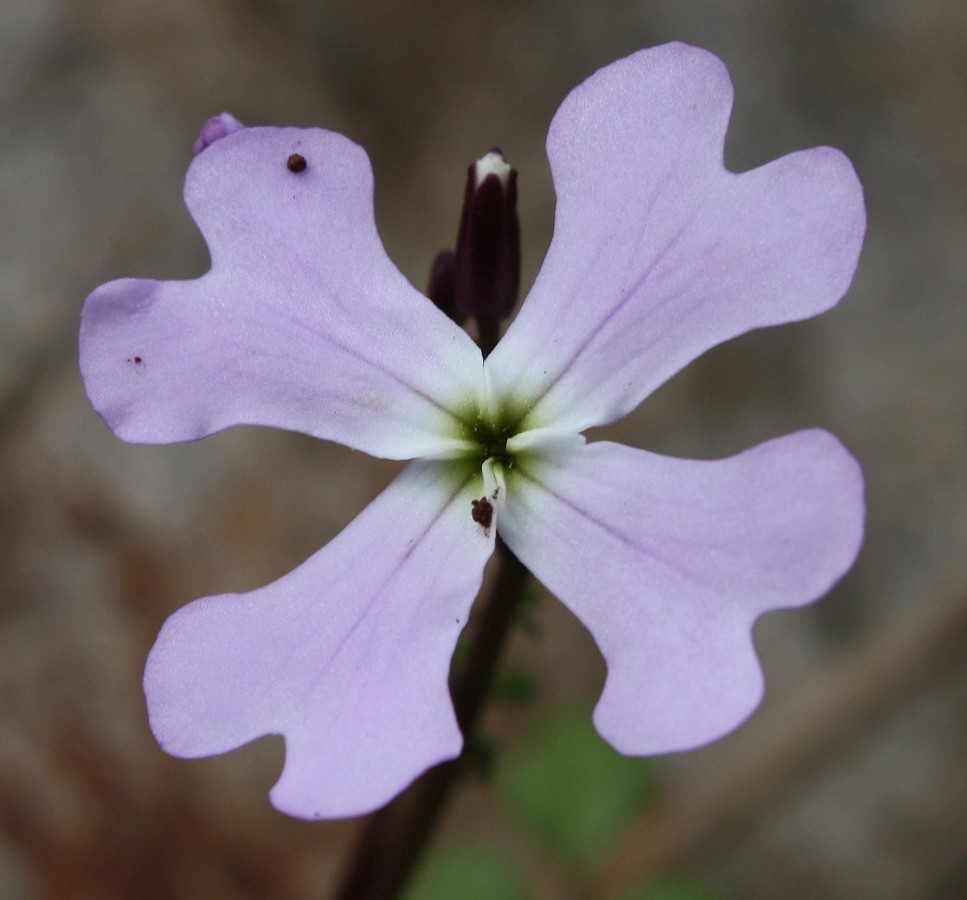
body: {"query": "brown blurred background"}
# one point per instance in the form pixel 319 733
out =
pixel 849 782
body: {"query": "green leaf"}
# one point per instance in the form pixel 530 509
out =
pixel 527 609
pixel 673 887
pixel 513 687
pixel 470 873
pixel 573 790
pixel 480 755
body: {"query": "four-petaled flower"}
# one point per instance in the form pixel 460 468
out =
pixel 303 323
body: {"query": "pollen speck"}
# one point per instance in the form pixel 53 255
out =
pixel 368 401
pixel 482 511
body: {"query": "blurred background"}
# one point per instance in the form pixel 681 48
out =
pixel 850 781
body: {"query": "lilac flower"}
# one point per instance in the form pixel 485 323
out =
pixel 303 323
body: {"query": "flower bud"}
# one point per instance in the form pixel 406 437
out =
pixel 488 243
pixel 215 129
pixel 442 288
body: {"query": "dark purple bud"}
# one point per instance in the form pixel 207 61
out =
pixel 442 288
pixel 488 244
pixel 215 129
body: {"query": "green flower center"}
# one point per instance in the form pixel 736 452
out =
pixel 489 439
pixel 485 434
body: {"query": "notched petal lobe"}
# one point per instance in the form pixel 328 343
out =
pixel 302 322
pixel 659 253
pixel 347 656
pixel 694 552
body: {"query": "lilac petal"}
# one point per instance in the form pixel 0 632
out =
pixel 669 562
pixel 658 252
pixel 347 656
pixel 302 322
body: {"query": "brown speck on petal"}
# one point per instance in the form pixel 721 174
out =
pixel 482 511
pixel 296 163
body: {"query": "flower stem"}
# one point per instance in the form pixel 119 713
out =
pixel 392 840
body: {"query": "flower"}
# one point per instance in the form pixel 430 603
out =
pixel 303 323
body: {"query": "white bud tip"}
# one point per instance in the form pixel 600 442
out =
pixel 492 164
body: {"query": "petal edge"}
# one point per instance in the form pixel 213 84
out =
pixel 696 551
pixel 347 656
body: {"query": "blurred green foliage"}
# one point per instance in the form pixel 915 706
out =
pixel 572 790
pixel 674 887
pixel 470 873
pixel 513 687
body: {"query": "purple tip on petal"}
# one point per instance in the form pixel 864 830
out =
pixel 215 129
